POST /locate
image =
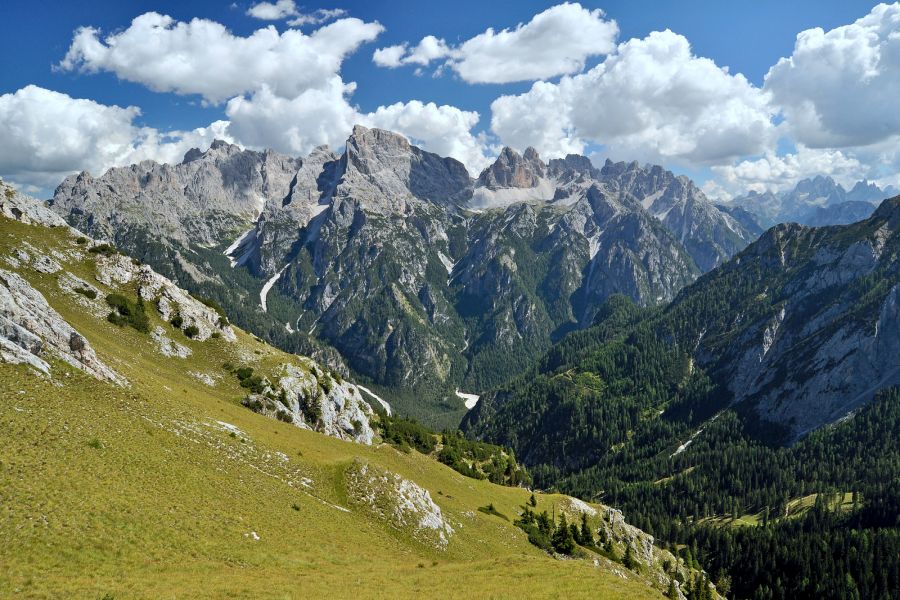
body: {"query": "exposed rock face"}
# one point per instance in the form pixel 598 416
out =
pixel 824 347
pixel 84 293
pixel 31 331
pixel 622 535
pixel 401 502
pixel 512 170
pixel 709 235
pixel 167 347
pixel 312 399
pixel 381 170
pixel 202 200
pixel 20 207
pixel 171 300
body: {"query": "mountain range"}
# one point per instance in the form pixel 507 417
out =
pixel 394 264
pixel 818 201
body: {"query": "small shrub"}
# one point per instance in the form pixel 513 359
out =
pixel 284 416
pixel 86 292
pixel 177 321
pixel 295 506
pixel 128 313
pixel 312 410
pixel 103 250
pixel 81 240
pixel 252 403
pixel 95 443
pixel 191 331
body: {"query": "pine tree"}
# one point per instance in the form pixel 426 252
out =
pixel 544 523
pixel 586 538
pixel 563 540
pixel 532 501
pixel 672 594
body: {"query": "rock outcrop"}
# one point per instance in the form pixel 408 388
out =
pixel 513 170
pixel 401 502
pixel 20 207
pixel 31 332
pixel 313 399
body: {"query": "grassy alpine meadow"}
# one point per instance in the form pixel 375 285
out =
pixel 169 488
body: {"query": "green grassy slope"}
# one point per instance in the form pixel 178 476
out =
pixel 145 492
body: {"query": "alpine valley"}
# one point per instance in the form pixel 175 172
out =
pixel 289 334
pixel 393 264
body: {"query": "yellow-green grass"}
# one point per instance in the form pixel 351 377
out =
pixel 793 509
pixel 138 493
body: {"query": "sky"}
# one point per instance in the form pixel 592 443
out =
pixel 738 95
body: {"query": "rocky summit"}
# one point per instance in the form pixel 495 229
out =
pixel 816 201
pixel 419 277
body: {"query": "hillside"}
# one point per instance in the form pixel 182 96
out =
pixel 768 383
pixel 131 469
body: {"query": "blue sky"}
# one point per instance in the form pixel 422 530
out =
pixel 747 37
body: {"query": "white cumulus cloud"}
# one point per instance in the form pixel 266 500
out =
pixel 281 91
pixel 293 125
pixel 652 99
pixel 48 135
pixel 555 42
pixel 839 88
pixel 269 11
pixel 203 57
pixel 317 17
pixel 444 130
pixel 284 9
pixel 775 173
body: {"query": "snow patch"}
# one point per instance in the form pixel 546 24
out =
pixel 241 244
pixel 470 399
pixel 448 264
pixel 384 404
pixel 268 286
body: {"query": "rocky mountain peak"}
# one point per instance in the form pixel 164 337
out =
pixel 218 149
pixel 513 170
pixel 818 187
pixel 368 148
pixel 572 164
pixel 531 155
pixel 382 169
